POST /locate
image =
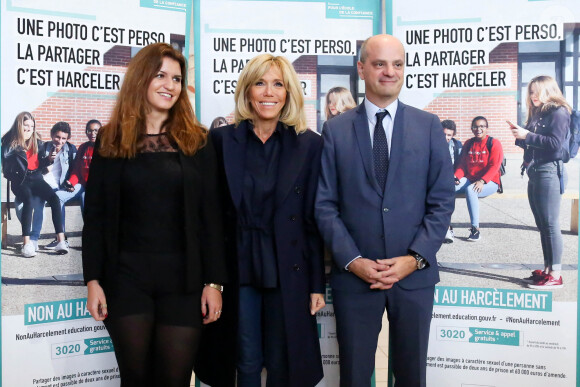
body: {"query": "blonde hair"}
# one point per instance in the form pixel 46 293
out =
pixel 14 137
pixel 120 138
pixel 292 113
pixel 344 101
pixel 549 95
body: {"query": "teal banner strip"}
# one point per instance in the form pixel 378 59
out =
pixel 47 12
pixel 208 30
pixel 328 295
pixel 468 94
pixel 98 345
pixel 493 298
pixel 401 22
pixel 81 95
pixel 350 9
pixel 494 336
pixel 197 55
pixel 49 312
pixel 170 5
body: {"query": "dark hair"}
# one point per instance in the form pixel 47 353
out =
pixel 60 126
pixel 477 119
pixel 449 124
pixel 217 122
pixel 92 122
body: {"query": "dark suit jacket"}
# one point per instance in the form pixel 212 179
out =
pixel 356 218
pixel 299 254
pixel 456 152
pixel 205 256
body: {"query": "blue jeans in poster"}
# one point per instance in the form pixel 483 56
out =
pixel 472 197
pixel 545 198
pixel 64 196
pixel 38 208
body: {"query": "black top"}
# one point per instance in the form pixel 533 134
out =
pixel 152 204
pixel 256 251
pixel 548 131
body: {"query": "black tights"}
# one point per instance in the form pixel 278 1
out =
pixel 151 354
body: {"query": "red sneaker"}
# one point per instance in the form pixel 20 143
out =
pixel 536 276
pixel 547 282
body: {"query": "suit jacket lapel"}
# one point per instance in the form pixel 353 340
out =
pixel 396 146
pixel 292 159
pixel 234 161
pixel 361 129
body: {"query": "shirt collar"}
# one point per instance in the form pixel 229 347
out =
pixel 252 134
pixel 372 109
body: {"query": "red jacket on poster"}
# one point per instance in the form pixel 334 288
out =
pixel 476 162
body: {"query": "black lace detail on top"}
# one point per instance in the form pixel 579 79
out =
pixel 155 143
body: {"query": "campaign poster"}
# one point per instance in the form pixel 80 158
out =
pixel 468 59
pixel 320 38
pixel 64 61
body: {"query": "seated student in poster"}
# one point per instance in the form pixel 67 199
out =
pixel 82 162
pixel 22 165
pixel 542 139
pixel 60 154
pixel 270 162
pixel 477 174
pixel 153 257
pixel 450 130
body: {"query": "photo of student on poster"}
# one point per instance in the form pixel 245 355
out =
pixel 63 63
pixel 322 41
pixel 498 318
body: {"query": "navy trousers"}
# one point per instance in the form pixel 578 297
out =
pixel 359 321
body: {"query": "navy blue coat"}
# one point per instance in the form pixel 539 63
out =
pixel 299 255
pixel 356 218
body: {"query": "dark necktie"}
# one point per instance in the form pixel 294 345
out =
pixel 381 150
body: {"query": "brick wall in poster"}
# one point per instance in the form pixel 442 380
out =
pixel 77 107
pixel 497 105
pixel 306 69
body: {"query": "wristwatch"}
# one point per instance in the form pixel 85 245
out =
pixel 421 262
pixel 216 286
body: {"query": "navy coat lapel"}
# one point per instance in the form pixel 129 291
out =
pixel 396 146
pixel 292 159
pixel 361 129
pixel 234 161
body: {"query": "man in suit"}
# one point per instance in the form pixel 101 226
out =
pixel 384 202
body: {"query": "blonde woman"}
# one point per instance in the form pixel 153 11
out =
pixel 542 139
pixel 23 167
pixel 270 162
pixel 338 100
